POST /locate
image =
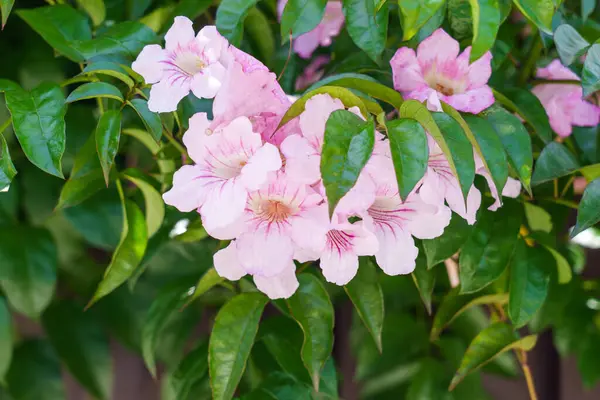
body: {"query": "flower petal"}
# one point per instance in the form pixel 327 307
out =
pixel 187 191
pixel 456 202
pixel 339 267
pixel 428 221
pixel 179 34
pixel 265 252
pixel 164 97
pixel 480 71
pixel 194 138
pixel 472 101
pixel 585 113
pixel 148 63
pixel 281 286
pixel 207 83
pixel 302 162
pixel 265 160
pixel 406 70
pixel 439 46
pixel 224 204
pixel 227 263
pixel 397 252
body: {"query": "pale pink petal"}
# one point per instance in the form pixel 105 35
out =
pixel 227 263
pixel 585 114
pixel 164 97
pixel 406 70
pixel 433 102
pixel 212 43
pixel 428 221
pixel 480 71
pixel 312 73
pixel 194 137
pixel 316 112
pixel 339 267
pixel 439 46
pixel 227 232
pixel 397 252
pixel 473 101
pixel 187 191
pixel 179 34
pixel 421 94
pixel 365 242
pixel 359 198
pixel 456 202
pixel 280 286
pixel 309 232
pixel 306 44
pixel 560 121
pixel 207 83
pixel 265 160
pixel 512 188
pixel 556 71
pixel 265 253
pixel 148 63
pixel 224 204
pixel 432 191
pixel 302 162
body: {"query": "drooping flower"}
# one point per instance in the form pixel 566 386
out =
pixel 564 103
pixel 303 152
pixel 436 72
pixel 229 164
pixel 312 73
pixel 188 62
pixel 329 27
pixel 439 184
pixel 512 187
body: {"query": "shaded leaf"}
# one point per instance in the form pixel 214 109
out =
pixel 445 246
pixel 367 297
pixel 109 69
pixel 7 168
pixel 410 154
pixel 301 16
pixel 589 208
pixel 539 12
pixel 555 161
pixel 82 345
pixel 154 204
pixel 486 21
pixel 538 219
pixel 28 262
pixel 209 280
pixel 125 39
pixel 494 340
pixel 414 14
pixel 367 27
pixel 95 9
pixel 5 8
pixel 230 18
pixel 424 280
pixel 231 340
pixel 95 90
pixel 347 146
pixel 108 133
pixel 569 44
pixel 191 371
pixel 151 120
pixel 257 26
pixel 39 123
pixel 528 106
pixel 6 341
pixel 590 76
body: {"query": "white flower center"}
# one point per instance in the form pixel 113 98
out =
pixel 189 63
pixel 447 85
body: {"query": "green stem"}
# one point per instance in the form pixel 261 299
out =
pixel 175 143
pixel 5 125
pixel 534 54
pixel 555 82
pixel 562 202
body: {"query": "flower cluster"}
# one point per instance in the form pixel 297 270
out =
pixel 260 186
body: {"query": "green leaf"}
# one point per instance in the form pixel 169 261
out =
pixel 39 123
pixel 312 309
pixel 35 372
pixel 191 8
pixel 209 280
pixel 257 27
pixel 587 8
pixel 6 340
pixel 301 16
pixel 154 204
pixel 344 95
pixel 454 304
pixel 410 153
pixel 414 14
pixel 529 279
pixel 589 208
pixel 125 38
pixel 81 343
pixel 151 120
pixel 569 44
pixel 460 17
pixel 367 297
pixel 555 161
pixel 191 371
pixel 488 145
pixel 95 9
pixel 424 280
pixel 516 142
pixel 590 76
pixel 61 26
pixel 109 69
pixel 494 340
pixel 108 133
pixel 168 302
pixel 145 138
pixel 129 252
pixel 366 26
pixel 528 106
pixel 86 177
pixel 488 250
pixel 363 83
pixel 347 146
pixel 5 8
pixel 231 340
pixel 279 385
pixel 486 21
pixel 230 19
pixel 562 265
pixel 538 219
pixel 461 150
pixel 445 246
pixel 431 382
pixel 7 168
pixel 94 90
pixel 539 12
pixel 28 262
pixel 588 141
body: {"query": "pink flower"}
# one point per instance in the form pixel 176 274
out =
pixel 564 104
pixel 312 73
pixel 251 91
pixel 436 72
pixel 512 187
pixel 229 164
pixel 439 184
pixel 188 62
pixel 303 152
pixel 329 27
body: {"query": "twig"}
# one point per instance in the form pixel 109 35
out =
pixel 452 270
pixel 287 60
pixel 522 357
pixel 567 186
